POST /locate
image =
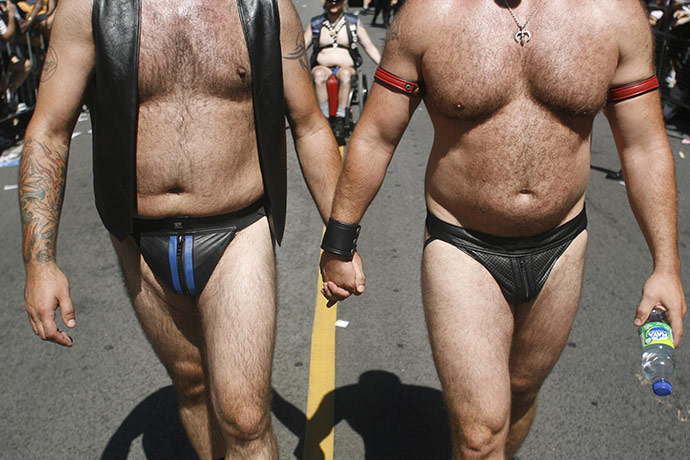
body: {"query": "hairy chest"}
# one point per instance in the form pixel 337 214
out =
pixel 193 46
pixel 466 77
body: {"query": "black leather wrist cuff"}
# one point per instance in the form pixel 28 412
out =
pixel 340 238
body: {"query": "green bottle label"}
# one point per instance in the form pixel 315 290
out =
pixel 656 333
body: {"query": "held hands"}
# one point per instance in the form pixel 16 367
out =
pixel 46 290
pixel 341 277
pixel 666 290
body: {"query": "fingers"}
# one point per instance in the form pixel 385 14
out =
pixel 67 311
pixel 360 279
pixel 675 317
pixel 54 334
pixel 43 323
pixel 334 293
pixel 48 329
pixel 642 313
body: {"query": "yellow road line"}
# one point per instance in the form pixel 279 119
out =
pixel 319 436
pixel 318 442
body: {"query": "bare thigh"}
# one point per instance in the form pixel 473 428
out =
pixel 171 323
pixel 476 336
pixel 542 327
pixel 470 328
pixel 238 313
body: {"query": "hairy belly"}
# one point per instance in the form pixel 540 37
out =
pixel 197 158
pixel 493 197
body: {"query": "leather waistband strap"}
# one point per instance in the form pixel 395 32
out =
pixel 238 219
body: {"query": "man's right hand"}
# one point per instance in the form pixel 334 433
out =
pixel 341 277
pixel 46 290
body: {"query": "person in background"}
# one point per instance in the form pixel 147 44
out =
pixel 331 36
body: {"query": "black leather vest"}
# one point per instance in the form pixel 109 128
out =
pixel 113 102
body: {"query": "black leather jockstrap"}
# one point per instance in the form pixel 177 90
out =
pixel 520 266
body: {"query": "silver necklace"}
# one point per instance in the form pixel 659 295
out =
pixel 523 35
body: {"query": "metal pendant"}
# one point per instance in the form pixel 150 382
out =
pixel 522 36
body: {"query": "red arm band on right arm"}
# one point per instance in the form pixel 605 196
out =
pixel 638 88
pixel 396 83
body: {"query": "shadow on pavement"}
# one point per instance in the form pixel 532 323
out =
pixel 395 421
pixel 156 420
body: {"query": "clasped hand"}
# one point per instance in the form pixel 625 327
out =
pixel 341 277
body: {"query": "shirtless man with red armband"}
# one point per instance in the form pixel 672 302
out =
pixel 506 227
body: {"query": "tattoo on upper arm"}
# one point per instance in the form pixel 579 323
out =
pixel 42 176
pixel 299 53
pixel 49 65
pixel 393 32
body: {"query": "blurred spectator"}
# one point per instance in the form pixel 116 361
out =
pixel 396 5
pixel 38 12
pixel 16 66
pixel 385 7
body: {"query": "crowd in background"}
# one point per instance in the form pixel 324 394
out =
pixel 387 9
pixel 670 22
pixel 25 30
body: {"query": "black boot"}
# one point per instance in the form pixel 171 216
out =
pixel 339 130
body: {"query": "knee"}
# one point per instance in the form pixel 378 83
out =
pixel 483 439
pixel 345 74
pixel 243 422
pixel 190 383
pixel 320 76
pixel 524 390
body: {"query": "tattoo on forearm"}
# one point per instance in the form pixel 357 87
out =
pixel 42 176
pixel 49 65
pixel 299 53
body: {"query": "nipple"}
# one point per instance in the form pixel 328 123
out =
pixel 241 71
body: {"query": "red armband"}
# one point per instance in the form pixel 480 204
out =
pixel 393 81
pixel 638 88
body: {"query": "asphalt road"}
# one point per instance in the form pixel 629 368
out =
pixel 108 397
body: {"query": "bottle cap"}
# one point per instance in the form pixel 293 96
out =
pixel 662 388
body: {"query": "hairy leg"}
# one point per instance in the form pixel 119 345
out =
pixel 173 326
pixel 470 328
pixel 541 332
pixel 344 76
pixel 238 313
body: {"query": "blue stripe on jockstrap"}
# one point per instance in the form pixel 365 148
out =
pixel 172 258
pixel 189 263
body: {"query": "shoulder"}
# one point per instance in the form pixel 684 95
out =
pixel 417 23
pixel 351 18
pixel 622 14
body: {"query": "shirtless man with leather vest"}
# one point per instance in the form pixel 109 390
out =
pixel 201 214
pixel 512 88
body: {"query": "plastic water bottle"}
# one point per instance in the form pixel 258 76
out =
pixel 658 352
